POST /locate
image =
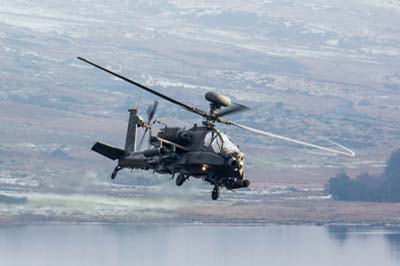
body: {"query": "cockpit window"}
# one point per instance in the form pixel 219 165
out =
pixel 219 142
pixel 228 144
pixel 213 140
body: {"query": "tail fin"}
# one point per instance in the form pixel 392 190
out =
pixel 114 153
pixel 108 151
pixel 134 121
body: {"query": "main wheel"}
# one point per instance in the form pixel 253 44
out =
pixel 180 179
pixel 215 193
pixel 113 175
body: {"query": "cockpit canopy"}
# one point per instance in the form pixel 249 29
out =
pixel 219 141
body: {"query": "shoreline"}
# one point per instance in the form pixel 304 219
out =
pixel 9 221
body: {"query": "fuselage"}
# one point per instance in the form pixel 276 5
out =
pixel 208 152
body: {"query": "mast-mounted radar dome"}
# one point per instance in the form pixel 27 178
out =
pixel 218 99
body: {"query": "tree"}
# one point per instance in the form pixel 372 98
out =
pixel 338 186
pixel 392 177
pixel 366 187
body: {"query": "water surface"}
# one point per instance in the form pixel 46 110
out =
pixel 106 245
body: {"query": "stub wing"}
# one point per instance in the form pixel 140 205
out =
pixel 171 144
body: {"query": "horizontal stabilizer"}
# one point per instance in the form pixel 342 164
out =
pixel 108 151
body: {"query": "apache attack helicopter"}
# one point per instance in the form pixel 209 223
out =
pixel 201 151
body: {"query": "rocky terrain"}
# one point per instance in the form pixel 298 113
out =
pixel 306 69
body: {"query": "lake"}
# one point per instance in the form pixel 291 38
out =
pixel 117 244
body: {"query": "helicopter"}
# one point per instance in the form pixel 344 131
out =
pixel 203 151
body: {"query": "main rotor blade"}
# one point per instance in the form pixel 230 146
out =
pixel 234 108
pixel 345 151
pixel 187 107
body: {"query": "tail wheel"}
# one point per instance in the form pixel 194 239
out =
pixel 115 172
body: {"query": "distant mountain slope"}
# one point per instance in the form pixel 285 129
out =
pixel 307 69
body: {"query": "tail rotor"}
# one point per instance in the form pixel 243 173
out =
pixel 151 110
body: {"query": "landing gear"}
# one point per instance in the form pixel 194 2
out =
pixel 215 193
pixel 115 172
pixel 216 181
pixel 180 179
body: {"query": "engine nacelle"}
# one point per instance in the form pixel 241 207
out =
pixel 154 152
pixel 184 137
pixel 176 134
